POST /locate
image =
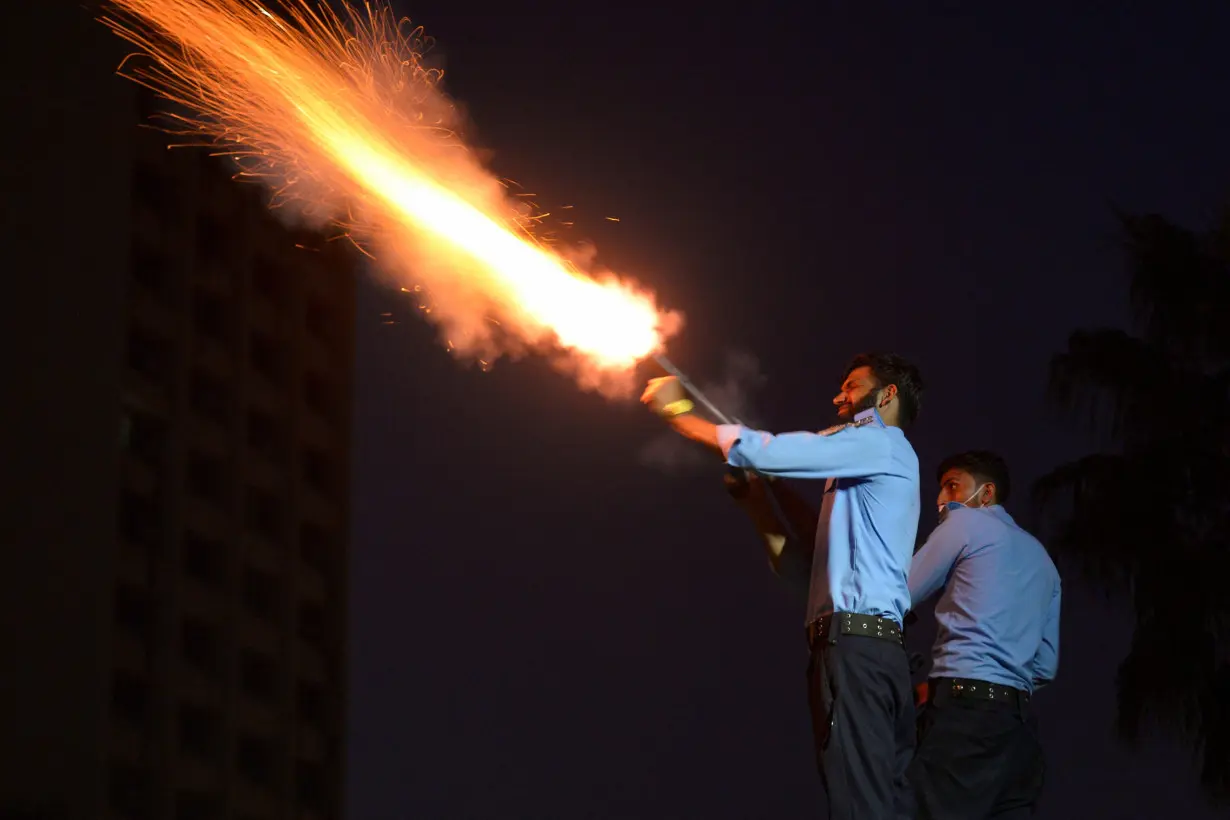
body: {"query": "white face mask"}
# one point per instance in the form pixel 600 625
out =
pixel 952 505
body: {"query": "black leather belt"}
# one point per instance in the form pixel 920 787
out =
pixel 826 628
pixel 980 690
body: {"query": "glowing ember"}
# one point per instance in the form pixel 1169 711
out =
pixel 345 121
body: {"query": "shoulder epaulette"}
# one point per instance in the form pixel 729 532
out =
pixel 837 428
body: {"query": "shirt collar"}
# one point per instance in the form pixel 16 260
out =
pixel 994 510
pixel 1000 513
pixel 868 416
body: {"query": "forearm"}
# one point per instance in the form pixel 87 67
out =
pixel 697 429
pixel 758 510
pixel 789 549
pixel 799 515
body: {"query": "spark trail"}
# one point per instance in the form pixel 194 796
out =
pixel 340 115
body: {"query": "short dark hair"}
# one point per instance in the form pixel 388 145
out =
pixel 984 466
pixel 889 368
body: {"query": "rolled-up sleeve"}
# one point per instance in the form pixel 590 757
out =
pixel 851 453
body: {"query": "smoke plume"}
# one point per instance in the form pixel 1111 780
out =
pixel 732 394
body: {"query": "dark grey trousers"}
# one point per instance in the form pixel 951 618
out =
pixel 862 709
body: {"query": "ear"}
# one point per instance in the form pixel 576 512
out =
pixel 888 395
pixel 988 494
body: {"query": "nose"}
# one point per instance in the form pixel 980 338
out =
pixel 839 399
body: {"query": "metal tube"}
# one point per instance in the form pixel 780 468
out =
pixel 669 366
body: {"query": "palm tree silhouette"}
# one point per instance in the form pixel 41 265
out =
pixel 1150 517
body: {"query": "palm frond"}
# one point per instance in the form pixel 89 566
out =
pixel 1153 518
pixel 1180 286
pixel 1161 679
pixel 1172 678
pixel 1112 380
pixel 1079 505
pixel 1215 745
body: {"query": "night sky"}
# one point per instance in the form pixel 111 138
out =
pixel 544 626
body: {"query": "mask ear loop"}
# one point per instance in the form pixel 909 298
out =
pixel 981 487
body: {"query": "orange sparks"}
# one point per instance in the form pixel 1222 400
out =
pixel 344 118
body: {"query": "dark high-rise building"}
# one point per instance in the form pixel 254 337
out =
pixel 175 457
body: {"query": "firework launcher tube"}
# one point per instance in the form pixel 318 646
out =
pixel 686 383
pixel 669 366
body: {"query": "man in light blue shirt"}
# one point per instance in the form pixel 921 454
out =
pixel 856 555
pixel 997 642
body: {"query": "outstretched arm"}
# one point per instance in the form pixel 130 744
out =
pixel 694 427
pixel 847 453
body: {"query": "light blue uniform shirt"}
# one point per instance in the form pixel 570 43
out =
pixel 999 615
pixel 869 517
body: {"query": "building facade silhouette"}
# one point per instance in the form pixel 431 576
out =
pixel 176 441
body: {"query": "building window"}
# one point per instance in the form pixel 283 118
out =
pixel 258 675
pixel 217 274
pixel 204 560
pixel 310 702
pixel 317 547
pixel 333 746
pixel 140 520
pixel 311 785
pixel 145 436
pixel 255 760
pixel 130 698
pixel 266 436
pixel 210 397
pixel 322 323
pixel 213 240
pixel 152 271
pixel 152 189
pixel 131 789
pixel 151 356
pixel 319 472
pixel 321 397
pixel 268 357
pixel 207 478
pixel 261 593
pixel 200 732
pixel 200 646
pixel 270 282
pixel 264 514
pixel 211 316
pixel 196 805
pixel 134 610
pixel 313 628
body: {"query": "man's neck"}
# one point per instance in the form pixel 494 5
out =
pixel 871 415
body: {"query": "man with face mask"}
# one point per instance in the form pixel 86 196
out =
pixel 997 642
pixel 854 556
